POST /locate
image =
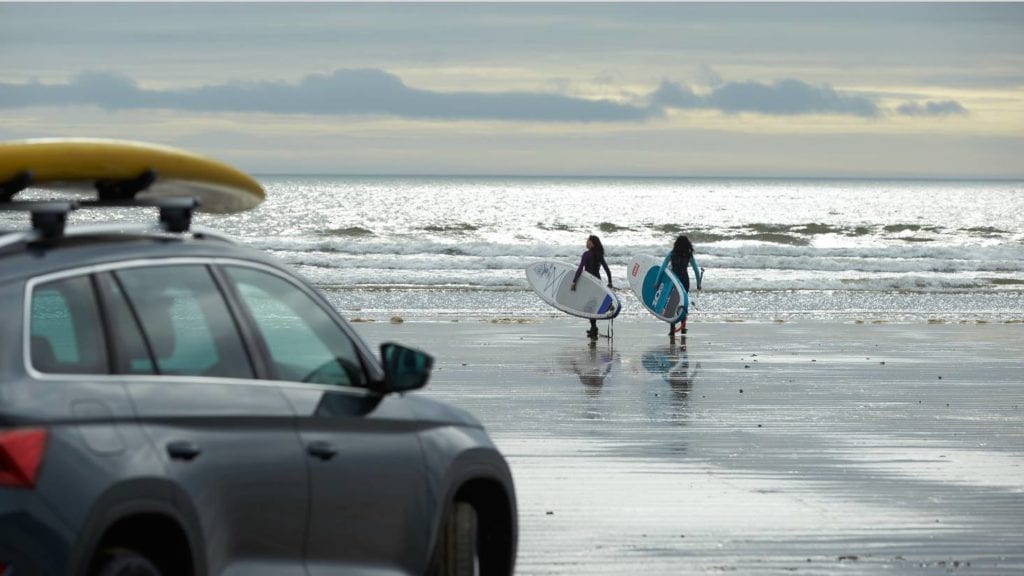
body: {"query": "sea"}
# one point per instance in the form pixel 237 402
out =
pixel 773 250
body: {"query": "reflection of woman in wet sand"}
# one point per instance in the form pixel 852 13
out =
pixel 673 364
pixel 592 366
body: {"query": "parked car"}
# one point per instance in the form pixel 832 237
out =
pixel 175 403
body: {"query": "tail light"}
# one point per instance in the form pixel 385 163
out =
pixel 21 453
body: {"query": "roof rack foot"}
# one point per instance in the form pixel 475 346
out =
pixel 176 213
pixel 49 218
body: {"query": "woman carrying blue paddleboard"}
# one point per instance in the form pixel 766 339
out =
pixel 681 256
pixel 592 261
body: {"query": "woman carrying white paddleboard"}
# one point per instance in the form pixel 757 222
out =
pixel 682 256
pixel 592 261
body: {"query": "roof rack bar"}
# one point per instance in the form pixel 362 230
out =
pixel 19 182
pixel 175 211
pixel 36 205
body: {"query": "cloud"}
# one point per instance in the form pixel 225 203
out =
pixel 932 109
pixel 345 92
pixel 788 97
pixel 377 92
pixel 781 98
pixel 672 95
pixel 105 90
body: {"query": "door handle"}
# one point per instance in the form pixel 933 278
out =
pixel 322 450
pixel 183 450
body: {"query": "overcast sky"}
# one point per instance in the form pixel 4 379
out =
pixel 654 89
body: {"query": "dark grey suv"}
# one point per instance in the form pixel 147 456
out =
pixel 175 403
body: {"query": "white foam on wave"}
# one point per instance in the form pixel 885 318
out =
pixel 777 237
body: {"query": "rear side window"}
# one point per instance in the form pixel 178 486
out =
pixel 66 336
pixel 304 342
pixel 185 321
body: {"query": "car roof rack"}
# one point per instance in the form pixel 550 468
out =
pixel 50 216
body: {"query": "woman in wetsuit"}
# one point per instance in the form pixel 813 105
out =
pixel 682 256
pixel 592 261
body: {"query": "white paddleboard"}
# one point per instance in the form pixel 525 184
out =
pixel 592 299
pixel 657 288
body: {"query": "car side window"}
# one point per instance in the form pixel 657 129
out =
pixel 304 342
pixel 186 321
pixel 66 335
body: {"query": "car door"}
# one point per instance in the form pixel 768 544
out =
pixel 227 439
pixel 369 506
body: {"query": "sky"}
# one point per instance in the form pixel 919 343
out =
pixel 724 89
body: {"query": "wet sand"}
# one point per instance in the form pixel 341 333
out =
pixel 749 448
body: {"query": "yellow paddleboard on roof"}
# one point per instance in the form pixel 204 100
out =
pixel 113 170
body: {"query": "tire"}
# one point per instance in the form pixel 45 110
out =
pixel 457 547
pixel 126 563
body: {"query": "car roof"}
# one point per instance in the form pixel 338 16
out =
pixel 36 258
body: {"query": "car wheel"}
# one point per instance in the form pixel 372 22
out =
pixel 457 548
pixel 126 563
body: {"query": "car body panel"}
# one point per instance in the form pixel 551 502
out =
pixel 233 463
pixel 247 478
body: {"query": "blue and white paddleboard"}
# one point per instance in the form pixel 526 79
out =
pixel 657 288
pixel 552 281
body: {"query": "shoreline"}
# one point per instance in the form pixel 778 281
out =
pixel 455 304
pixel 354 318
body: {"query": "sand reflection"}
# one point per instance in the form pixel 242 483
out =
pixel 672 363
pixel 591 364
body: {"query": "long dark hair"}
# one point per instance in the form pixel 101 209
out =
pixel 683 247
pixel 598 248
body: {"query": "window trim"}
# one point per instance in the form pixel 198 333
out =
pixel 371 364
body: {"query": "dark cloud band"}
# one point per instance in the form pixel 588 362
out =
pixel 376 92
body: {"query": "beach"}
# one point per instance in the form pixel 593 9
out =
pixel 809 447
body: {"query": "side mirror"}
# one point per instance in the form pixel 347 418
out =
pixel 404 368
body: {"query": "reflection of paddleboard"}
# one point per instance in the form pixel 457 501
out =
pixel 665 360
pixel 591 299
pixel 121 170
pixel 657 288
pixel 592 365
